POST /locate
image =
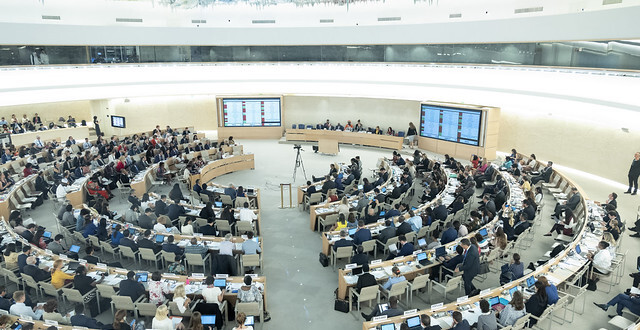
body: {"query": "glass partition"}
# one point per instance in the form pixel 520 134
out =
pixel 620 55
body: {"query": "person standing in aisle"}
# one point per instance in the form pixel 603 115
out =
pixel 412 132
pixel 634 172
pixel 96 126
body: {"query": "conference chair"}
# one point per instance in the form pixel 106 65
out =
pixel 168 258
pixel 29 282
pixel 10 276
pixel 451 285
pixel 125 303
pixel 94 240
pixel 105 292
pixel 108 248
pixel 344 252
pixel 127 252
pixel 370 246
pixel 314 199
pixel 175 311
pixel 146 309
pixel 328 221
pixel 368 293
pixel 244 226
pixel 226 200
pixel 19 205
pixel 195 259
pixel 250 260
pixel 46 288
pixel 624 322
pixel 420 282
pixel 79 238
pixel 385 246
pixel 74 296
pixel 148 255
pixel 543 318
pixel 396 290
pixel 223 226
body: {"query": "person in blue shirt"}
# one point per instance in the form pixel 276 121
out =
pixel 231 191
pixel 362 234
pixel 82 219
pixel 396 277
pixel 552 291
pixel 117 235
pixel 406 248
pixel 393 212
pixel 89 228
pixel 449 235
pixel 512 271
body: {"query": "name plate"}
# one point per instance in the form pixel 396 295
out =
pixel 121 270
pixel 253 275
pixel 375 262
pixel 463 299
pixel 350 266
pixel 25 318
pixel 197 275
pixel 222 276
pixel 410 312
pixel 379 318
pixel 99 265
pixel 169 275
pixel 51 322
pixel 485 292
pixel 416 252
pixel 437 306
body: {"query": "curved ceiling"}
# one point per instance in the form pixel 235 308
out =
pixel 107 22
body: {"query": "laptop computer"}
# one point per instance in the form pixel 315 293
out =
pixel 114 225
pixel 47 234
pixel 142 277
pixel 531 281
pixel 383 190
pixel 388 326
pixel 73 265
pixel 159 239
pixel 352 231
pixel 579 251
pixel 220 283
pixel 422 242
pixel 356 271
pixel 218 204
pixel 249 321
pixel 422 258
pixel 208 319
pixel 382 213
pixel 360 187
pixel 414 323
pixel 496 305
pixel 512 291
pixel 483 232
pixel 441 251
pixel 74 249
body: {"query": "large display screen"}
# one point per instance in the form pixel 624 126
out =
pixel 118 121
pixel 251 112
pixel 451 124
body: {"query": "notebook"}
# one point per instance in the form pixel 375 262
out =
pixel 208 319
pixel 74 249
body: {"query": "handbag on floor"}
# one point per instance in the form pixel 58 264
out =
pixel 341 306
pixel 324 260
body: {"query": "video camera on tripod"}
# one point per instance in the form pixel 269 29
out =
pixel 298 146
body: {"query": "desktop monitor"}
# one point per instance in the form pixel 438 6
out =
pixel 578 250
pixel 483 232
pixel 208 319
pixel 413 322
pixel 388 326
pixel 74 249
pixel 352 231
pixel 159 238
pixel 249 321
pixel 220 283
pixel 530 281
pixel 142 277
pixel 47 234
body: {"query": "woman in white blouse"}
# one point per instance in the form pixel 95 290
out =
pixel 180 298
pixel 343 208
pixel 187 228
pixel 161 321
pixel 160 225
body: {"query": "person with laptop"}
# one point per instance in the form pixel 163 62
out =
pixel 127 241
pixel 406 248
pixel 240 320
pixel 448 263
pixel 403 226
pixel 537 303
pixel 162 321
pixel 425 323
pixel 195 248
pixel 487 320
pixel 343 241
pixel 56 246
pixel 449 235
pixel 360 258
pixel 362 234
pixel 390 309
pixel 58 277
pixel 170 246
pixel 388 232
pixel 512 271
pixel 513 311
pixel 131 287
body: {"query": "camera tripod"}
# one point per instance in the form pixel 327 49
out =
pixel 299 163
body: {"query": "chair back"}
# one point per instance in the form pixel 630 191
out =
pixel 94 240
pixel 106 291
pixel 49 289
pixel 223 225
pixel 330 219
pixel 392 241
pixel 411 236
pixel 244 226
pixel 73 295
pixel 123 302
pixel 147 254
pixel 453 283
pixel 420 282
pixel 344 252
pixel 29 281
pixel 201 222
pixel 250 260
pixel 315 198
pixel 369 293
pixel 369 245
pixel 147 309
pixel 11 276
pixel 194 259
pixel 240 201
pixel 226 200
pixel 168 256
pixel 252 308
pixel 204 198
pixel 522 322
pixel 107 247
pixel 398 288
pixel 423 232
pixel 173 308
pixel 127 252
pixel 204 153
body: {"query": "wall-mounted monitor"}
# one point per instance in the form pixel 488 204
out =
pixel 452 124
pixel 251 112
pixel 118 121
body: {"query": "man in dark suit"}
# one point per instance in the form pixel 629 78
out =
pixel 161 205
pixel 383 176
pixel 126 241
pixel 81 320
pixel 28 234
pixel 392 311
pixel 394 212
pixel 133 199
pixel 570 204
pixel 360 258
pixel 131 288
pixel 545 174
pixel 310 188
pixel 449 235
pixel 209 229
pixel 406 248
pixel 362 234
pixel 403 227
pixel 487 204
pixel 343 241
pixel 175 210
pixel 32 270
pixel 440 212
pixel 146 243
pixel 371 215
pixel 528 210
pixel 22 258
pixel 425 322
pixel 147 220
pixel 365 279
pixel 172 247
pixel 470 266
pixel 328 184
pixel 388 232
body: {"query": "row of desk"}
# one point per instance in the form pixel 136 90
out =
pixel 557 270
pixel 330 138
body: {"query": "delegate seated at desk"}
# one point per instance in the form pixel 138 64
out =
pixel 391 311
pixel 362 234
pixel 343 241
pixel 406 248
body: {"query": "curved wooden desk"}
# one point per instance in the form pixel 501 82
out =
pixel 223 166
pixel 365 139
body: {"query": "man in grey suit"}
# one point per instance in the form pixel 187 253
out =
pixel 470 266
pixel 488 204
pixel 570 204
pixel 147 220
pixel 388 232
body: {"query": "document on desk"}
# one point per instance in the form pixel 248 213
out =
pixel 379 274
pixel 351 279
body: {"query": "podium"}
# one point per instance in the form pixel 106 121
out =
pixel 328 146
